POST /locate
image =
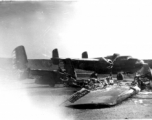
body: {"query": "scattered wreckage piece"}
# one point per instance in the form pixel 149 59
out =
pixel 120 76
pixel 143 78
pixel 110 96
pixel 91 83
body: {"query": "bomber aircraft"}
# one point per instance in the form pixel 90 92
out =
pixel 101 65
pixel 48 72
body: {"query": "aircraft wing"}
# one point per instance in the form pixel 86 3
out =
pixel 110 96
pixel 97 65
pixel 79 59
pixel 41 64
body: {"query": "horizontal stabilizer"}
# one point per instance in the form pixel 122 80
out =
pixel 55 53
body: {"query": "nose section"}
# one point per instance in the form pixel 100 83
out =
pixel 139 63
pixel 135 63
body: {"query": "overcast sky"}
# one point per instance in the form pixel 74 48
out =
pixel 99 27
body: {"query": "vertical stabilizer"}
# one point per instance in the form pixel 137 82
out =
pixel 55 57
pixel 55 53
pixel 19 58
pixel 85 54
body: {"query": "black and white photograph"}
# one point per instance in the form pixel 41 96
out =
pixel 75 59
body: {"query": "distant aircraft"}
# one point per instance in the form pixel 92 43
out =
pixel 43 68
pixel 114 56
pixel 122 64
pixel 125 64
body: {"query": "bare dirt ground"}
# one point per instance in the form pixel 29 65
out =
pixel 23 99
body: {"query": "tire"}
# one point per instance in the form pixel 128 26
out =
pixel 120 76
pixel 51 81
pixel 45 80
pixel 52 84
pixel 150 84
pixel 23 75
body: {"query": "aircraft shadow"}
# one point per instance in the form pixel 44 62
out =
pixel 142 98
pixel 90 106
pixel 39 87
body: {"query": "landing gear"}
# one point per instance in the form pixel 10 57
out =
pixel 120 76
pixel 139 81
pixel 150 83
pixel 45 80
pixel 52 83
pixel 94 75
pixel 24 74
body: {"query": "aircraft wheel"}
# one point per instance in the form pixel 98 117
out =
pixel 120 76
pixel 23 75
pixel 52 83
pixel 150 84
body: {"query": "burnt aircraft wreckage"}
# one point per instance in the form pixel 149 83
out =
pixel 101 92
pixel 98 91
